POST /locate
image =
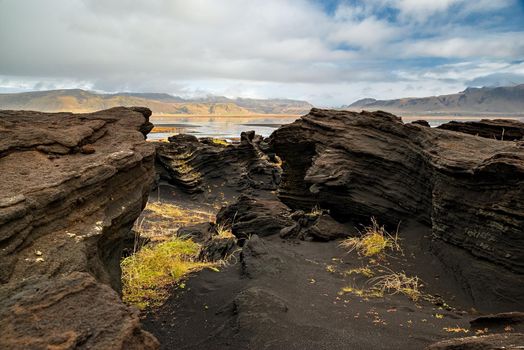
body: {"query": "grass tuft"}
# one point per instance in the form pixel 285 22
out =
pixel 374 240
pixel 223 231
pixel 220 142
pixel 147 273
pixel 364 271
pixel 398 282
pixel 363 293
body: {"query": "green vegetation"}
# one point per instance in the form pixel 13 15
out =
pixel 147 273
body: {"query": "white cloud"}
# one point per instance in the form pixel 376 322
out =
pixel 257 47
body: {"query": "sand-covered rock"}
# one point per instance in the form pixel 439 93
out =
pixel 500 129
pixel 468 189
pixel 72 186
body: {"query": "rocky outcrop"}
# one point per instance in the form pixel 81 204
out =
pixel 469 190
pixel 250 216
pixel 72 186
pixel 500 129
pixel 197 166
pixel 487 342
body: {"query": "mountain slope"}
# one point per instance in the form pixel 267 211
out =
pixel 486 100
pixel 77 100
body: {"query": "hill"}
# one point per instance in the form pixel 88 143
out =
pixel 77 100
pixel 486 100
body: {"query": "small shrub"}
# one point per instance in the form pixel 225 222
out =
pixel 374 240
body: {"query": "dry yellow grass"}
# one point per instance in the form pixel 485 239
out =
pixel 374 240
pixel 364 271
pixel 160 220
pixel 223 231
pixel 398 282
pixel 363 293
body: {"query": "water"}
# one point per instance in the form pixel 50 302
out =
pixel 222 127
pixel 229 128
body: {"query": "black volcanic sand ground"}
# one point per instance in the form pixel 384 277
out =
pixel 287 295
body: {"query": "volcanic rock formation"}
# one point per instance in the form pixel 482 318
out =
pixel 72 186
pixel 469 190
pixel 500 129
pixel 196 165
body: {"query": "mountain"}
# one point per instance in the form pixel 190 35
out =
pixel 486 100
pixel 77 100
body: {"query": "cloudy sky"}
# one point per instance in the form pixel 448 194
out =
pixel 327 52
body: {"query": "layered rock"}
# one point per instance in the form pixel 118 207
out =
pixel 500 129
pixel 470 190
pixel 72 187
pixel 512 341
pixel 197 166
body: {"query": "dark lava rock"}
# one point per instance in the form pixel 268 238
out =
pixel 214 246
pixel 421 122
pixel 469 190
pixel 218 248
pixel 508 341
pixel 325 228
pixel 259 258
pixel 64 222
pixel 196 165
pixel 500 129
pixel 251 216
pixel 199 233
pixel 500 321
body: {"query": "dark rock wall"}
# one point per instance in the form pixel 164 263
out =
pixel 469 189
pixel 71 188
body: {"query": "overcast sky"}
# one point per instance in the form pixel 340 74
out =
pixel 327 52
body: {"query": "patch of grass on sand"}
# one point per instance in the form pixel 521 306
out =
pixel 364 271
pixel 374 240
pixel 398 282
pixel 160 220
pixel 220 142
pixel 147 273
pixel 363 293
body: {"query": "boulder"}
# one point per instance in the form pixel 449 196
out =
pixel 468 189
pixel 65 216
pixel 250 216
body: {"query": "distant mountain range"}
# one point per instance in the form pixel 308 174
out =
pixel 76 100
pixel 472 101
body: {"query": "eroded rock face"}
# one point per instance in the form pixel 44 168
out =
pixel 500 129
pixel 72 186
pixel 470 190
pixel 196 165
pixel 488 342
